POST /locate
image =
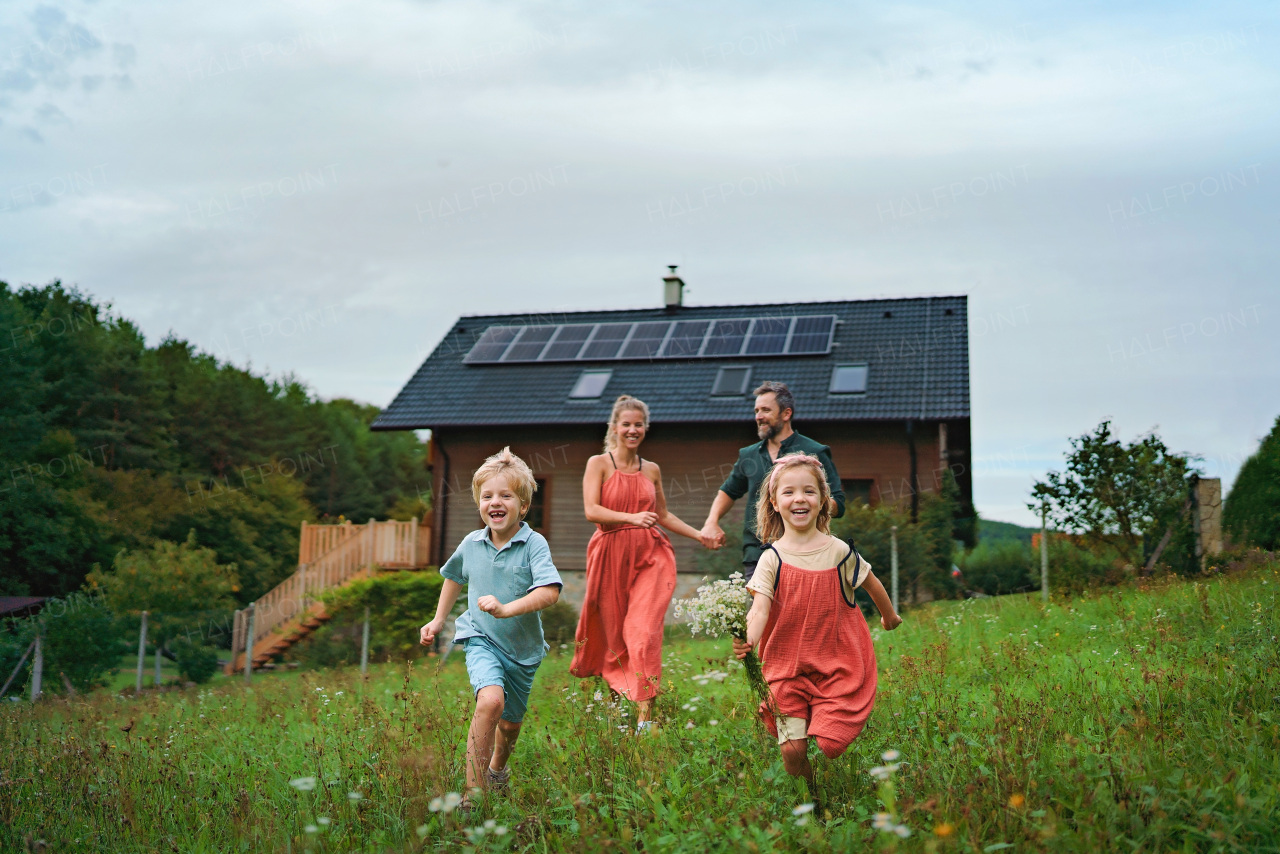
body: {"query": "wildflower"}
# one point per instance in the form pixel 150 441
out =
pixel 436 804
pixel 882 821
pixel 1016 800
pixel 689 725
pixel 714 722
pixel 422 831
pixel 944 829
pixel 354 796
pixel 310 828
pixel 500 830
pixel 451 801
pixel 303 784
pixel 903 831
pixel 890 755
pixel 324 820
pixel 803 809
pixel 490 824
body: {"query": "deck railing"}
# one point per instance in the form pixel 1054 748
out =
pixel 348 550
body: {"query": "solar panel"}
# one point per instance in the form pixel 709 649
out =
pixel 768 336
pixel 646 340
pixel 656 339
pixel 726 337
pixel 492 343
pixel 529 344
pixel 686 339
pixel 811 334
pixel 607 341
pixel 567 342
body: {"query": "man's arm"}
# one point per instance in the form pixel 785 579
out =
pixel 833 480
pixel 712 535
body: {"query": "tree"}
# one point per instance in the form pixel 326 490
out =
pixel 178 583
pixel 79 641
pixel 1117 494
pixel 1252 511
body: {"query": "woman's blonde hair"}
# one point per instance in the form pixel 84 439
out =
pixel 624 403
pixel 769 525
pixel 517 472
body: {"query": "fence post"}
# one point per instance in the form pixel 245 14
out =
pixel 1044 552
pixel 157 679
pixel 18 669
pixel 893 563
pixel 364 644
pixel 37 665
pixel 142 652
pixel 248 644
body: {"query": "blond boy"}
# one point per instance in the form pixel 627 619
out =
pixel 510 577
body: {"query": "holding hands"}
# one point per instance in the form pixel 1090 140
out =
pixel 711 536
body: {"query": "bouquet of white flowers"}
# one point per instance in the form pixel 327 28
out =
pixel 719 609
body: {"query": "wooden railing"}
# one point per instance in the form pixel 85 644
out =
pixel 351 550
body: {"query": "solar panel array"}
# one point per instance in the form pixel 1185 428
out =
pixel 807 335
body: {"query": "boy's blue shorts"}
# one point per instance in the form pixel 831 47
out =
pixel 487 665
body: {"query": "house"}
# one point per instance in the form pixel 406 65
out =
pixel 884 382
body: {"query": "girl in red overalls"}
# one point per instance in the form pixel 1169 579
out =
pixel 815 647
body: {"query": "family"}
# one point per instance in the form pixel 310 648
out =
pixel 813 641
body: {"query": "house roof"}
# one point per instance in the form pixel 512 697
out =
pixel 916 351
pixel 10 605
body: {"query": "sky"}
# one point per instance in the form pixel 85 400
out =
pixel 320 189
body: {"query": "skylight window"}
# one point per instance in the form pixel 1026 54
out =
pixel 731 381
pixel 849 379
pixel 590 385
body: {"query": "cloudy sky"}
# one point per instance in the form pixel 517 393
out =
pixel 321 188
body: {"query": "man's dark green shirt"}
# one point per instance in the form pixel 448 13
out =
pixel 749 472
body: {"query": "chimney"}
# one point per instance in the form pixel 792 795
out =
pixel 673 289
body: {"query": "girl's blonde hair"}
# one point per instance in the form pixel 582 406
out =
pixel 624 403
pixel 517 472
pixel 769 525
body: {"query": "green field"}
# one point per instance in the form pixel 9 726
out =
pixel 1131 720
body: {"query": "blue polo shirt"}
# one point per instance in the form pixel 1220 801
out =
pixel 522 564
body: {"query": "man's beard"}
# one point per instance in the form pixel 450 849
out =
pixel 768 431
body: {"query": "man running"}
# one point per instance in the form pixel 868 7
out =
pixel 774 409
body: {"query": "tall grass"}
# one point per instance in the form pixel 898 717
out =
pixel 1136 719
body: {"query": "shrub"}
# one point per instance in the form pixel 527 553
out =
pixel 1074 568
pixel 80 642
pixel 398 602
pixel 1005 566
pixel 196 662
pixel 560 623
pixel 1251 514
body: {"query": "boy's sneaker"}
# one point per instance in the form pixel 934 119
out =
pixel 499 781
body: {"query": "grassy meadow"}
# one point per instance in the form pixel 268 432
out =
pixel 1135 719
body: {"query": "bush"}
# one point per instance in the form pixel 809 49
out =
pixel 1005 566
pixel 1074 568
pixel 398 602
pixel 80 642
pixel 1251 514
pixel 196 662
pixel 560 624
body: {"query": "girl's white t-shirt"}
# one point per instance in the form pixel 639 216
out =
pixel 822 557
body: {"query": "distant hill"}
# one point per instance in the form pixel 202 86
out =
pixel 991 531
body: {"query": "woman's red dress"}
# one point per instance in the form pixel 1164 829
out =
pixel 631 576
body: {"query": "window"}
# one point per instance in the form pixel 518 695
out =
pixel 537 515
pixel 857 489
pixel 590 385
pixel 731 381
pixel 849 379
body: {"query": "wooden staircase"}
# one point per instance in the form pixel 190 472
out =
pixel 329 556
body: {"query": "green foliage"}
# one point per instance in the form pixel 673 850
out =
pixel 991 531
pixel 559 624
pixel 1116 494
pixel 106 443
pixel 1251 515
pixel 196 662
pixel 1075 567
pixel 175 582
pixel 80 642
pixel 399 604
pixel 1004 566
pixel 937 528
pixel 1142 720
